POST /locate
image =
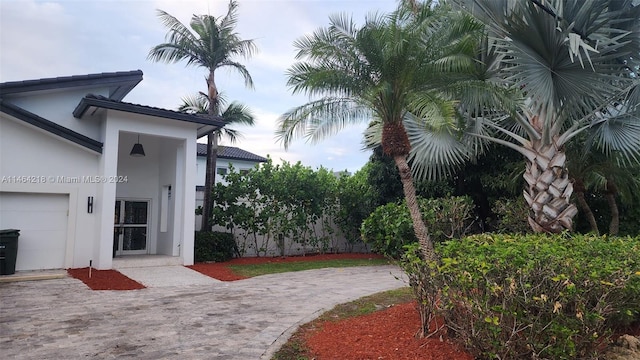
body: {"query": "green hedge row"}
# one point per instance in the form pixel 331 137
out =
pixel 214 246
pixel 533 296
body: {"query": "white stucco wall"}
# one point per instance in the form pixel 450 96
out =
pixel 170 148
pixel 62 167
pixel 57 168
pixel 221 162
pixel 58 107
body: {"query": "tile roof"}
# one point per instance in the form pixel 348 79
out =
pixel 120 83
pixel 231 152
pixel 90 100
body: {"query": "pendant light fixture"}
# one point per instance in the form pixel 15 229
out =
pixel 137 150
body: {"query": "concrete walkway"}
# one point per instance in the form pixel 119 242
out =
pixel 248 319
pixel 167 276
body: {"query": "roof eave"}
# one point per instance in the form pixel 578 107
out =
pixel 89 101
pixel 119 83
pixel 50 126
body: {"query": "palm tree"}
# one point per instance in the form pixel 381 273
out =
pixel 211 43
pixel 395 70
pixel 574 63
pixel 233 114
pixel 591 170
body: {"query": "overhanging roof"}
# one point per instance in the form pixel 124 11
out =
pixel 207 123
pixel 47 125
pixel 120 83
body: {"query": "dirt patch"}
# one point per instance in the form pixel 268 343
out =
pixel 627 347
pixel 104 279
pixel 221 271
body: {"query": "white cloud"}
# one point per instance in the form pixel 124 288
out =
pixel 60 38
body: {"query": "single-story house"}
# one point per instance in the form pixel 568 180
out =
pixel 87 177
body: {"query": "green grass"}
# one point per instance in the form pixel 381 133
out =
pixel 275 268
pixel 296 349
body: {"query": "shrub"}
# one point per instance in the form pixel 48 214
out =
pixel 535 296
pixel 214 246
pixel 448 218
pixel 389 228
pixel 511 216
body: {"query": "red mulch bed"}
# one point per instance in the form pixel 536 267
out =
pixel 386 334
pixel 104 279
pixel 221 271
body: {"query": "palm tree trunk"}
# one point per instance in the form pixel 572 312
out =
pixel 208 185
pixel 419 227
pixel 586 209
pixel 395 143
pixel 614 224
pixel 548 189
pixel 212 152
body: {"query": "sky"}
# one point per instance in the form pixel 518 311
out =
pixel 42 39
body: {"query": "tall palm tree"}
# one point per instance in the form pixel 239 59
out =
pixel 211 43
pixel 574 63
pixel 395 70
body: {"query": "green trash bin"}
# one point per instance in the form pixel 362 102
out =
pixel 8 251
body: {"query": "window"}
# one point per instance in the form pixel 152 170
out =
pixel 244 171
pixel 221 171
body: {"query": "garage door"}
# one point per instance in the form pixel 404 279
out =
pixel 42 221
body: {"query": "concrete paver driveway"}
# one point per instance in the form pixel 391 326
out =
pixel 63 319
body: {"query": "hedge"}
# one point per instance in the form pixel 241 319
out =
pixel 533 296
pixel 214 246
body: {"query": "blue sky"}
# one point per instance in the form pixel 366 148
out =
pixel 40 39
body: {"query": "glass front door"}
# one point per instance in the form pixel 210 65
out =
pixel 130 227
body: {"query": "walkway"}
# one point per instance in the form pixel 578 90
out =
pixel 63 319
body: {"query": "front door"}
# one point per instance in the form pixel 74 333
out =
pixel 130 227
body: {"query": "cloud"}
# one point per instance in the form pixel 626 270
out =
pixel 60 38
pixel 36 34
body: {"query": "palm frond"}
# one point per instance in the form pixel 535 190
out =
pixel 208 42
pixel 234 114
pixel 618 132
pixel 436 149
pixel 319 119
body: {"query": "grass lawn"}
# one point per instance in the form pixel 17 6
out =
pixel 251 270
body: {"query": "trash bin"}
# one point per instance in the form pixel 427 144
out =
pixel 8 251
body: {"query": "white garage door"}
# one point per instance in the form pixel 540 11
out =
pixel 42 221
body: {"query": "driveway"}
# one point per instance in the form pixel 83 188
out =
pixel 248 319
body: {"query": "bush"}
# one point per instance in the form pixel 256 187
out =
pixel 214 246
pixel 535 296
pixel 389 228
pixel 511 216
